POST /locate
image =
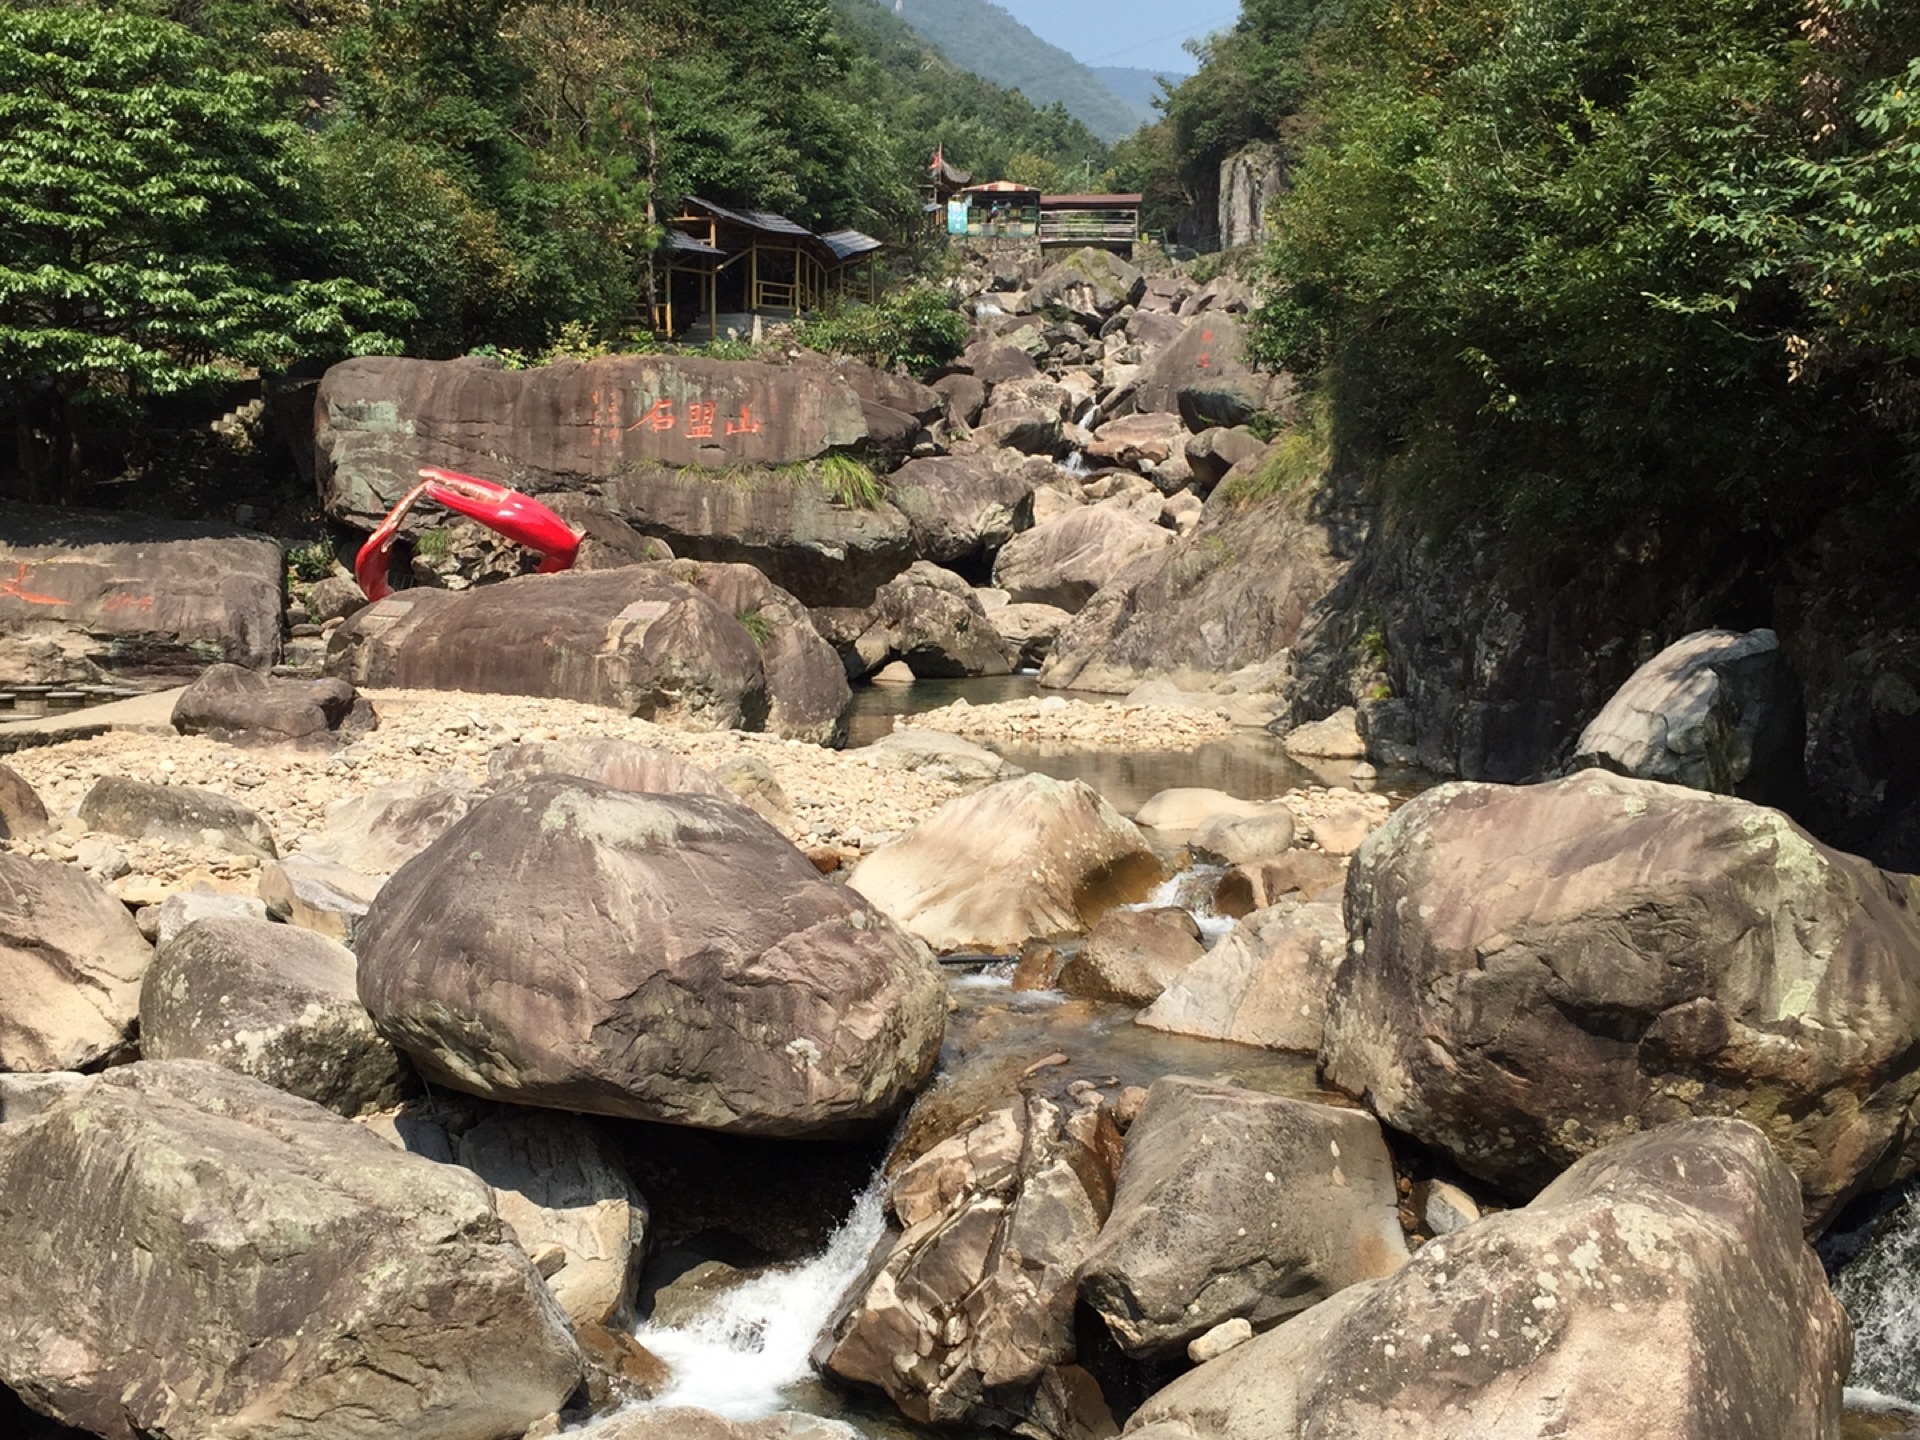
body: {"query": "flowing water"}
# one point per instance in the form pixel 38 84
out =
pixel 747 1355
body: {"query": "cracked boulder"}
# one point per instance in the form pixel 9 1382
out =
pixel 1535 972
pixel 71 961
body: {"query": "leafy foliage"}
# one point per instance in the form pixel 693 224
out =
pixel 1558 260
pixel 150 218
pixel 916 328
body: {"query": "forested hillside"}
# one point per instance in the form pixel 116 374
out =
pixel 988 41
pixel 187 189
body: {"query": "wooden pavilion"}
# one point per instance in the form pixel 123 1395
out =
pixel 725 264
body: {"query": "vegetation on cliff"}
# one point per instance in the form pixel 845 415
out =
pixel 1557 261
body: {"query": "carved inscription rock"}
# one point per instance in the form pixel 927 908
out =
pixel 85 597
pixel 378 419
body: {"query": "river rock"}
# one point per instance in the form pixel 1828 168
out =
pixel 996 361
pixel 962 507
pixel 559 1184
pixel 1536 972
pixel 1660 1287
pixel 317 895
pixel 667 957
pixel 1139 442
pixel 161 923
pixel 1019 423
pixel 379 830
pixel 928 618
pixel 967 1317
pixel 1237 1205
pixel 1032 858
pixel 1236 592
pixel 1063 562
pixel 1131 956
pixel 235 704
pixel 946 757
pixel 1716 710
pixel 272 1002
pixel 334 597
pixel 71 960
pixel 1203 377
pixel 22 812
pixel 1245 839
pixel 132 597
pixel 191 1253
pixel 1335 738
pixel 1029 630
pixel 1175 814
pixel 120 805
pixel 23 1096
pixel 1298 874
pixel 1216 450
pixel 631 639
pixel 1265 983
pixel 1090 284
pixel 966 397
pixel 807 692
pixel 617 764
pixel 1342 826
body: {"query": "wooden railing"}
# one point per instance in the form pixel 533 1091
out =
pixel 1089 227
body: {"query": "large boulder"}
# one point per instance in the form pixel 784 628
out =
pixel 807 691
pixel 185 814
pixel 233 703
pixel 317 895
pixel 1716 710
pixel 185 1251
pixel 132 597
pixel 1265 983
pixel 1204 378
pixel 1027 859
pixel 1536 972
pixel 931 619
pixel 1235 592
pixel 71 961
pixel 1131 956
pixel 1063 562
pixel 619 764
pixel 273 1002
pixel 962 507
pixel 1660 1287
pixel 1029 630
pixel 667 957
pixel 557 427
pixel 1236 1205
pixel 967 1316
pixel 1090 284
pixel 631 639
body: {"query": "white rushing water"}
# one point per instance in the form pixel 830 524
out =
pixel 738 1358
pixel 1191 890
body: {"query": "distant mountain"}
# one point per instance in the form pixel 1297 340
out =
pixel 985 39
pixel 1139 88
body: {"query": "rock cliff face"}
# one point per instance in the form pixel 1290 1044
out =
pixel 1249 181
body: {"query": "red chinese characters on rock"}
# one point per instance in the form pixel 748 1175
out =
pixel 15 589
pixel 701 417
pixel 1205 362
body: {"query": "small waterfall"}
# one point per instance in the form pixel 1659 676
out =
pixel 1092 418
pixel 1877 1288
pixel 1192 891
pixel 739 1358
pixel 1075 464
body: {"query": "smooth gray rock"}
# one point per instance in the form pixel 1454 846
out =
pixel 1237 1205
pixel 138 809
pixel 1716 710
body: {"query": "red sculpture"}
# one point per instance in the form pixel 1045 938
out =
pixel 520 518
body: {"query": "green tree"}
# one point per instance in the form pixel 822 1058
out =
pixel 150 235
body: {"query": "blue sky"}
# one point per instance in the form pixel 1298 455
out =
pixel 1145 33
